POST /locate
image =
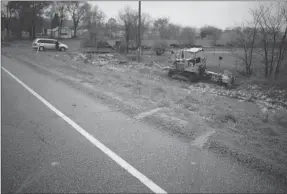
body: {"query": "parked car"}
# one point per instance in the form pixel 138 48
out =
pixel 48 44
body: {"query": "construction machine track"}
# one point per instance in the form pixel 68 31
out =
pixel 183 75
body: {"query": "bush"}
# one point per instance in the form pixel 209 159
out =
pixel 160 46
pixel 87 42
pixel 122 48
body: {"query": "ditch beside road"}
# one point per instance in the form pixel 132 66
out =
pixel 203 114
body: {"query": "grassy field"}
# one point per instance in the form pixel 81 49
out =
pixel 238 124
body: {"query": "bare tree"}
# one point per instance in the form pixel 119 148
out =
pixel 134 28
pixel 187 35
pixel 77 10
pixel 246 39
pixel 161 25
pixel 7 12
pixel 95 17
pixel 126 17
pixel 174 31
pixel 210 30
pixel 29 14
pixel 145 22
pixel 50 12
pixel 94 20
pixel 61 8
pixel 272 21
pixel 112 26
pixel 282 44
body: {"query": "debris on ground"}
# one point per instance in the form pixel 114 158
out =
pixel 123 62
pixel 250 94
pixel 246 114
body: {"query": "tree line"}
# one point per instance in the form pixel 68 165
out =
pixel 18 16
pixel 263 39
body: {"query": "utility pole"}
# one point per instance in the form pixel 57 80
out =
pixel 33 20
pixel 139 33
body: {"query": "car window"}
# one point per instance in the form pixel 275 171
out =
pixel 50 41
pixel 189 55
pixel 43 41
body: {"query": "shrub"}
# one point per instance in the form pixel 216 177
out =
pixel 160 46
pixel 122 47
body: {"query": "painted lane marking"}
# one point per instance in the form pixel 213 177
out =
pixel 134 172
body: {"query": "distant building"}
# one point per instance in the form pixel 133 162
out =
pixel 82 32
pixel 65 32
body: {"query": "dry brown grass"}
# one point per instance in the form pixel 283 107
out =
pixel 197 107
pixel 240 121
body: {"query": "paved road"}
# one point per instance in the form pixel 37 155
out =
pixel 43 153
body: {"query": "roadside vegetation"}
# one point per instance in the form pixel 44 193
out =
pixel 250 119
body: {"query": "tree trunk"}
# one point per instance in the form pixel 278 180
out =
pixel 75 31
pixel 251 52
pixel 19 32
pixel 75 26
pixel 20 24
pixel 272 56
pixel 7 20
pixel 266 59
pixel 7 28
pixel 127 43
pixel 281 55
pixel 60 27
pixel 276 73
pixel 34 31
pixel 266 70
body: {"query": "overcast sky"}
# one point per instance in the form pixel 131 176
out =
pixel 221 14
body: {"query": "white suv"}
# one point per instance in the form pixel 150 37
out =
pixel 47 44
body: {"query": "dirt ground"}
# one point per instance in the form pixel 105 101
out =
pixel 243 119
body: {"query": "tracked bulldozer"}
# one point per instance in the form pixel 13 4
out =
pixel 190 65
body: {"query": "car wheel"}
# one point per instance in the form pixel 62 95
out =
pixel 62 49
pixel 41 48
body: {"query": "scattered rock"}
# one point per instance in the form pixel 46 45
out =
pixel 55 164
pixel 149 64
pixel 201 85
pixel 281 119
pixel 251 93
pixel 227 118
pixel 123 62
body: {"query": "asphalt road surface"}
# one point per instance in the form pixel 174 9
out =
pixel 51 142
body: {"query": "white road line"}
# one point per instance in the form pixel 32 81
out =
pixel 134 172
pixel 145 114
